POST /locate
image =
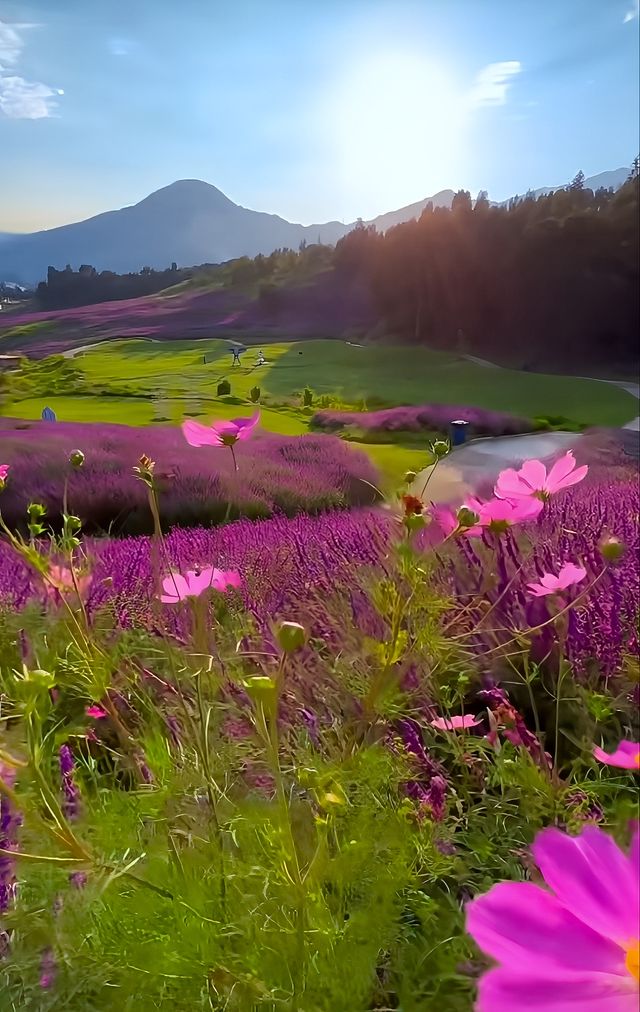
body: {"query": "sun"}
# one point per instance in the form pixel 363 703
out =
pixel 397 121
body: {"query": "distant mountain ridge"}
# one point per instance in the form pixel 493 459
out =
pixel 189 222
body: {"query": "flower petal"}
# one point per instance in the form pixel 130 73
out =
pixel 530 931
pixel 534 474
pixel 510 484
pixel 175 588
pixel 562 467
pixel 199 435
pixel 501 990
pixel 593 878
pixel 626 756
pixel 574 477
pixel 570 574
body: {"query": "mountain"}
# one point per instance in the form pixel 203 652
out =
pixel 391 218
pixel 190 222
pixel 610 180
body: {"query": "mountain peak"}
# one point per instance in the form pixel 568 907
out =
pixel 187 192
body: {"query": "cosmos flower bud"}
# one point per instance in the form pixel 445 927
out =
pixel 611 548
pixel 466 518
pixel 261 689
pixel 440 447
pixel 145 469
pixel 76 458
pixel 410 476
pixel 291 636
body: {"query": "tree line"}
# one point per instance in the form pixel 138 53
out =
pixel 546 282
pixel 67 288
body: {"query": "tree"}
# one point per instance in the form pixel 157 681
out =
pixel 577 183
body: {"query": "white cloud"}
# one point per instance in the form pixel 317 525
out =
pixel 492 83
pixel 20 98
pixel 632 13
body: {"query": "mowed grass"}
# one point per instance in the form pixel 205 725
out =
pixel 140 382
pixel 397 375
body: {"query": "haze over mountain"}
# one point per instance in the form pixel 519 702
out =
pixel 189 222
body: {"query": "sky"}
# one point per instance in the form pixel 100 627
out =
pixel 312 109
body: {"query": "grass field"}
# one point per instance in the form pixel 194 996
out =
pixel 393 374
pixel 138 382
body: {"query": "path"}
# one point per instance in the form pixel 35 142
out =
pixel 478 463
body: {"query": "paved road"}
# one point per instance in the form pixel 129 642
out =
pixel 480 461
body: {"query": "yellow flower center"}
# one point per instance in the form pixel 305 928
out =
pixel 632 961
pixel 636 760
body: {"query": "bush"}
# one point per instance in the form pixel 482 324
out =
pixel 307 397
pixel 224 388
pixel 255 394
pixel 422 419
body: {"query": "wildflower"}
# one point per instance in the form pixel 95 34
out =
pixel 225 433
pixel 497 515
pixel 69 788
pixel 177 586
pixel 568 575
pixel 532 479
pixel 573 945
pixel 412 506
pixel 455 723
pixel 4 471
pixel 145 470
pixel 626 756
pixel 95 711
pixel 47 969
pixel 61 582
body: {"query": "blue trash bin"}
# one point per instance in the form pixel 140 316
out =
pixel 458 432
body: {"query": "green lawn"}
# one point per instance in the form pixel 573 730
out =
pixel 138 382
pixel 399 375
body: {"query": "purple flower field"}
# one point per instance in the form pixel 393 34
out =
pixel 297 569
pixel 422 418
pixel 198 486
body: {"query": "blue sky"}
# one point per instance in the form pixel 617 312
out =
pixel 312 109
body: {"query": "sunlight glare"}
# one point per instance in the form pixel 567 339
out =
pixel 398 123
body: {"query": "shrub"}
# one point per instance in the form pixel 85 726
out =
pixel 307 397
pixel 255 394
pixel 423 418
pixel 224 388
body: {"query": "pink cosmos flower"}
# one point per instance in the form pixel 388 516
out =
pixel 61 582
pixel 573 945
pixel 500 514
pixel 569 575
pixel 224 433
pixel 4 471
pixel 532 479
pixel 626 756
pixel 455 723
pixel 95 711
pixel 177 586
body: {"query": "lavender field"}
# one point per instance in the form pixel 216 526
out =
pixel 196 487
